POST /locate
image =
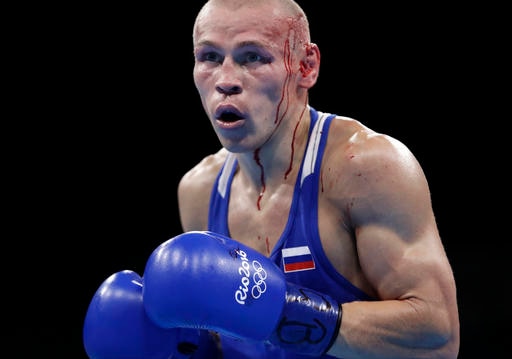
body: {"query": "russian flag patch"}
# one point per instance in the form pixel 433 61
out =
pixel 297 259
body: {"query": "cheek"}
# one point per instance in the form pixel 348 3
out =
pixel 198 77
pixel 274 84
pixel 200 82
pixel 280 88
pixel 201 74
pixel 275 93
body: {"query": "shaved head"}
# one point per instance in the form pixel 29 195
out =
pixel 286 10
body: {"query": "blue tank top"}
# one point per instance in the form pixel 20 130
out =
pixel 298 252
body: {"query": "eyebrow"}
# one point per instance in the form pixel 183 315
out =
pixel 249 43
pixel 206 43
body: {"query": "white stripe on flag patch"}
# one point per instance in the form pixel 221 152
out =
pixel 297 259
pixel 296 251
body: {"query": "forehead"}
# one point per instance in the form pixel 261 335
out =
pixel 264 24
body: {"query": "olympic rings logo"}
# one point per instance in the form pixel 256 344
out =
pixel 258 277
pixel 260 286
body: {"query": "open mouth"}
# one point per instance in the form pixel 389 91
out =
pixel 228 114
pixel 229 117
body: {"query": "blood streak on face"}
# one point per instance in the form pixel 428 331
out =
pixel 284 102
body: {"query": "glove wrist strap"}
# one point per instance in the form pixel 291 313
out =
pixel 309 323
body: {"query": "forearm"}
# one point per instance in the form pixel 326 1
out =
pixel 395 329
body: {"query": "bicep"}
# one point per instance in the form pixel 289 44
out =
pixel 400 267
pixel 396 233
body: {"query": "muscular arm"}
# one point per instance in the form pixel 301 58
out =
pixel 401 255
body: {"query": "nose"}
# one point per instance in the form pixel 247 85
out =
pixel 229 82
pixel 228 89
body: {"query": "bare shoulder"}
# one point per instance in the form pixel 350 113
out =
pixel 374 174
pixel 367 154
pixel 194 191
pixel 204 172
pixel 382 194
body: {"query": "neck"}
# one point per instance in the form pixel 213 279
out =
pixel 279 159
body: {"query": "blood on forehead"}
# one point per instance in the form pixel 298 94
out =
pixel 286 30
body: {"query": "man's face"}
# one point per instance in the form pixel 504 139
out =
pixel 244 72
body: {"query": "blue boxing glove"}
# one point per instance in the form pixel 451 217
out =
pixel 117 327
pixel 236 291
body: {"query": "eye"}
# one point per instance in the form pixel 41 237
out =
pixel 251 57
pixel 210 56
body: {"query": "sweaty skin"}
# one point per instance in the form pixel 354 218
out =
pixel 254 66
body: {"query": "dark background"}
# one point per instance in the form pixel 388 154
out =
pixel 111 120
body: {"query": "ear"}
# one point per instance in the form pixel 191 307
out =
pixel 309 66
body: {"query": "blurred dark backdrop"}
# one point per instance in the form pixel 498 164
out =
pixel 115 121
